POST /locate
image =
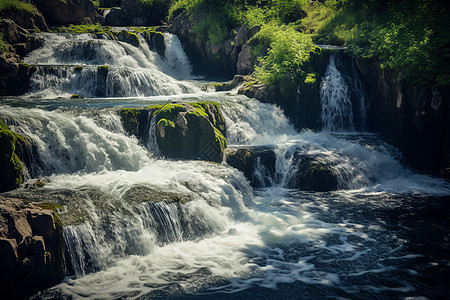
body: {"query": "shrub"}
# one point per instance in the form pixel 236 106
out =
pixel 289 49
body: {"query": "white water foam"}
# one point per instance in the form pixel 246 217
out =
pixel 131 71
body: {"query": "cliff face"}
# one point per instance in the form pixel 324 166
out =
pixel 31 247
pixel 414 119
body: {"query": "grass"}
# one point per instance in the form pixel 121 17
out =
pixel 16 5
pixel 84 28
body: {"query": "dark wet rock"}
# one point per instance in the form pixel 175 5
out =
pixel 257 164
pixel 127 37
pixel 61 12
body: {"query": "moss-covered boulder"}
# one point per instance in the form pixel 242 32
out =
pixel 155 41
pixel 136 122
pixel 190 131
pixel 187 131
pixel 315 176
pixel 127 37
pixel 10 165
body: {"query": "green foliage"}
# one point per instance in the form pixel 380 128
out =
pixel 17 5
pixel 289 49
pixel 84 28
pixel 411 37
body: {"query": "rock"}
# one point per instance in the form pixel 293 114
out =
pixel 309 106
pixel 155 41
pixel 136 122
pixel 28 19
pixel 10 164
pixel 187 131
pixel 12 33
pixel 62 12
pixel 16 75
pixel 315 176
pixel 259 166
pixel 127 37
pixel 245 61
pixel 228 86
pixel 251 159
pixel 414 119
pixel 190 131
pixel 29 261
pixel 207 57
pixel 137 13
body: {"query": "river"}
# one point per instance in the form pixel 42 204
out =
pixel 384 233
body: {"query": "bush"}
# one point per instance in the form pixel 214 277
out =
pixel 411 37
pixel 289 50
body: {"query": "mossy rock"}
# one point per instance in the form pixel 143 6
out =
pixel 136 122
pixel 155 41
pixel 10 165
pixel 127 37
pixel 316 176
pixel 190 131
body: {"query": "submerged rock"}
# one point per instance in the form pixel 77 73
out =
pixel 31 248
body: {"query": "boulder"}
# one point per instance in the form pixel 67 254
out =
pixel 13 33
pixel 257 164
pixel 29 261
pixel 15 78
pixel 228 86
pixel 127 37
pixel 307 172
pixel 190 131
pixel 10 164
pixel 155 41
pixel 62 12
pixel 184 131
pixel 26 18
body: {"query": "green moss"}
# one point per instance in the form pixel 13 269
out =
pixel 127 37
pixel 167 111
pixel 78 68
pixel 310 78
pixel 166 123
pixel 84 28
pixel 48 205
pixel 10 164
pixel 103 67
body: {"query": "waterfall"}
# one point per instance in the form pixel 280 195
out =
pixel 140 226
pixel 336 114
pixel 96 66
pixel 67 141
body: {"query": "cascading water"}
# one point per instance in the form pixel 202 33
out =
pixel 139 226
pixel 337 111
pixel 96 66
